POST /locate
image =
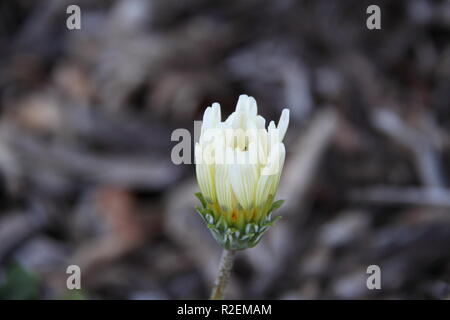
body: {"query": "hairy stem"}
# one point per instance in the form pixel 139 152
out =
pixel 226 264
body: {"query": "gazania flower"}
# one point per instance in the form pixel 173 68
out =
pixel 238 165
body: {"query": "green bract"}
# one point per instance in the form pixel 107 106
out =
pixel 232 237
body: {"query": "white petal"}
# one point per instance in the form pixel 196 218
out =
pixel 237 120
pixel 275 160
pixel 272 136
pixel 266 185
pixel 252 107
pixel 198 153
pixel 217 112
pixel 260 122
pixel 219 148
pixel 270 176
pixel 241 105
pixel 243 178
pixel 262 147
pixel 207 119
pixel 283 123
pixel 205 179
pixel 204 173
pixel 223 188
pixel 253 155
pixel 271 126
pixel 230 120
pixel 252 130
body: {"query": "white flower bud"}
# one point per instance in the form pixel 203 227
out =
pixel 238 166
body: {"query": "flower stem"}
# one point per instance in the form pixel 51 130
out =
pixel 226 264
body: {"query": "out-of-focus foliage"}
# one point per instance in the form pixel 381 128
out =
pixel 19 284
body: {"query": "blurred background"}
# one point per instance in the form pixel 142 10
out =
pixel 86 118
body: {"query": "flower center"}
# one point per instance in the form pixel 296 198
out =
pixel 240 140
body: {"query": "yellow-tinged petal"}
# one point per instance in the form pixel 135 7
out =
pixel 243 178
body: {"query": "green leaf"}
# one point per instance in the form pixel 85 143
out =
pixel 200 210
pixel 19 284
pixel 231 230
pixel 276 205
pixel 75 295
pixel 201 198
pixel 201 213
pixel 274 220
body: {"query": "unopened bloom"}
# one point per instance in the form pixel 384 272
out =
pixel 238 165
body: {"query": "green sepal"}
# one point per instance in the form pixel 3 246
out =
pixel 200 197
pixel 240 237
pixel 277 204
